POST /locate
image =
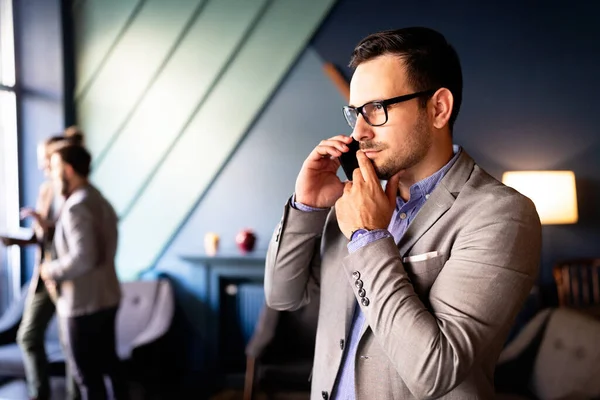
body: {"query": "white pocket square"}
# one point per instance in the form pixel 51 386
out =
pixel 420 257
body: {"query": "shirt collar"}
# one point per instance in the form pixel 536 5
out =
pixel 425 186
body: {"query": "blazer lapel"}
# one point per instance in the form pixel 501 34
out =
pixel 439 202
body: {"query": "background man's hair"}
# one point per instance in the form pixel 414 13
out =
pixel 431 62
pixel 77 157
pixel 53 140
pixel 74 135
pixel 71 136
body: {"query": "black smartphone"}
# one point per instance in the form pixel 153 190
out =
pixel 348 159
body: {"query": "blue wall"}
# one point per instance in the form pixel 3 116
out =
pixel 531 81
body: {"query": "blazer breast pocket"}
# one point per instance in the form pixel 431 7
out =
pixel 423 270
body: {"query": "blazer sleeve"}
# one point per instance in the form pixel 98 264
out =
pixel 292 270
pixel 475 297
pixel 82 243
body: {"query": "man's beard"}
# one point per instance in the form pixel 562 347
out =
pixel 417 144
pixel 64 185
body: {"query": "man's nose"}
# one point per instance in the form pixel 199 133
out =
pixel 362 131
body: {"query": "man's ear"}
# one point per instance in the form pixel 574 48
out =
pixel 443 103
pixel 68 169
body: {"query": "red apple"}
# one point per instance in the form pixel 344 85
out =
pixel 245 240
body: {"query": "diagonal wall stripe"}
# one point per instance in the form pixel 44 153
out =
pixel 174 98
pixel 215 131
pixel 159 71
pixel 98 27
pixel 132 66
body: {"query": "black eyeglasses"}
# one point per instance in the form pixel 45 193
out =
pixel 375 112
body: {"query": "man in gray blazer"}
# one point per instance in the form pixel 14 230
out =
pixel 419 282
pixel 82 277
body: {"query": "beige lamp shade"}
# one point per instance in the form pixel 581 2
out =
pixel 552 192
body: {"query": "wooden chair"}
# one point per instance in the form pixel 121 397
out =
pixel 578 284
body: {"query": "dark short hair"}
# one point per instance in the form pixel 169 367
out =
pixel 54 139
pixel 77 157
pixel 73 137
pixel 431 62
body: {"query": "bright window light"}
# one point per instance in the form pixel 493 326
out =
pixel 9 182
pixel 7 44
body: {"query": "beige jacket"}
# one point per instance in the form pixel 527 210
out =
pixel 40 237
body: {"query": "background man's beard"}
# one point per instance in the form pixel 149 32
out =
pixel 64 186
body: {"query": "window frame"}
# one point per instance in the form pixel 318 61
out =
pixel 9 141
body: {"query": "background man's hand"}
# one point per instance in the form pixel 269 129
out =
pixel 7 241
pixel 317 184
pixel 44 272
pixel 364 203
pixel 27 212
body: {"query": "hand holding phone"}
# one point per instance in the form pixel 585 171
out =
pixel 348 159
pixel 318 184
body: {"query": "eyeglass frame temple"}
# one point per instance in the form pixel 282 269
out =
pixel 385 104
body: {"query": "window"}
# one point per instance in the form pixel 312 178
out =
pixel 10 265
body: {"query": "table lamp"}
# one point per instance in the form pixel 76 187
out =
pixel 553 193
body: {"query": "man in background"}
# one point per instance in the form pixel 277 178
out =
pixel 39 307
pixel 82 278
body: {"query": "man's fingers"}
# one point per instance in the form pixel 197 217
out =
pixel 322 152
pixel 333 147
pixel 342 138
pixel 357 176
pixel 366 168
pixel 347 187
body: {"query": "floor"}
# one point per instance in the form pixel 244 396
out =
pixel 17 390
pixel 238 395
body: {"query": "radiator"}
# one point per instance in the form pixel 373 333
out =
pixel 250 301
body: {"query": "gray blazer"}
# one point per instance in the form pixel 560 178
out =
pixel 438 305
pixel 86 243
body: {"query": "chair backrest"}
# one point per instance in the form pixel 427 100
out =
pixel 135 310
pixel 285 335
pixel 295 335
pixel 566 366
pixel 578 282
pixel 555 356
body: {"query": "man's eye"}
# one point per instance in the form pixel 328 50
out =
pixel 378 106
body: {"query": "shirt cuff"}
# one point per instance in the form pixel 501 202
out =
pixel 303 207
pixel 369 237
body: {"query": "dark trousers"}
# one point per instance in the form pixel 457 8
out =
pixel 92 348
pixel 39 310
